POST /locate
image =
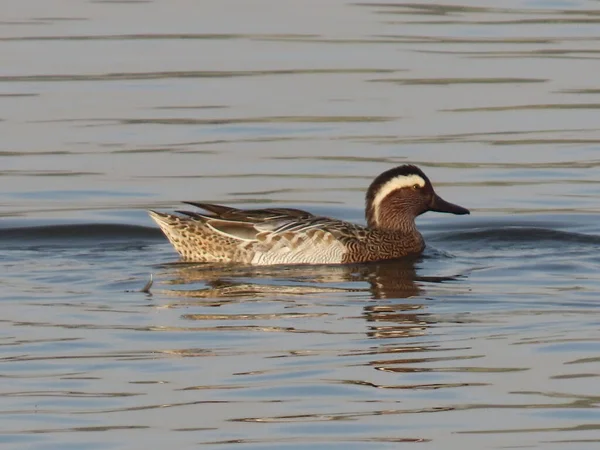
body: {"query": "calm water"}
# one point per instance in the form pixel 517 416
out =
pixel 489 340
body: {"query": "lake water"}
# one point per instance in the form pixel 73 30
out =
pixel 491 339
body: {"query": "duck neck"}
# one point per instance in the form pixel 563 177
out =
pixel 397 226
pixel 391 215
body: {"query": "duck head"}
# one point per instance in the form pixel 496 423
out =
pixel 399 195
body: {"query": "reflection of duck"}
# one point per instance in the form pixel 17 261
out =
pixel 389 279
pixel 291 236
pixel 389 322
pixel 226 284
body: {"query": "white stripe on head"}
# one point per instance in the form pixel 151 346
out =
pixel 399 182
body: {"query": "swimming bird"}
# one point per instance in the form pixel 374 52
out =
pixel 292 236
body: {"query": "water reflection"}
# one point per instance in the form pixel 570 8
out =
pixel 383 280
pixel 222 285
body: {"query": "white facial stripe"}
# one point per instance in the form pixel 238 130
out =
pixel 399 182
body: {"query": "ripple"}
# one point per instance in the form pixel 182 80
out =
pixel 180 74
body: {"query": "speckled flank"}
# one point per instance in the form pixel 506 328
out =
pixel 195 242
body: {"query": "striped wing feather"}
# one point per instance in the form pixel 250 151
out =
pixel 248 224
pixel 250 215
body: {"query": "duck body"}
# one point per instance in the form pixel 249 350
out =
pixel 279 236
pixel 292 236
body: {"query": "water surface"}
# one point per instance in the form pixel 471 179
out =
pixel 488 340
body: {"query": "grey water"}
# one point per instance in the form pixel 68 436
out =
pixel 490 339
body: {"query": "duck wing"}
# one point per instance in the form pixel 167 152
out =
pixel 251 215
pixel 267 224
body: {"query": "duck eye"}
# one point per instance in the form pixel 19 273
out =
pixel 415 187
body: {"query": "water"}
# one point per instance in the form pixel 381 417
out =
pixel 489 340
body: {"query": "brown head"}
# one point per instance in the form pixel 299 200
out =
pixel 399 195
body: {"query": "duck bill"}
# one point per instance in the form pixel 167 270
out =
pixel 440 205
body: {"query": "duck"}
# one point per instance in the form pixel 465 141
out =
pixel 260 237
